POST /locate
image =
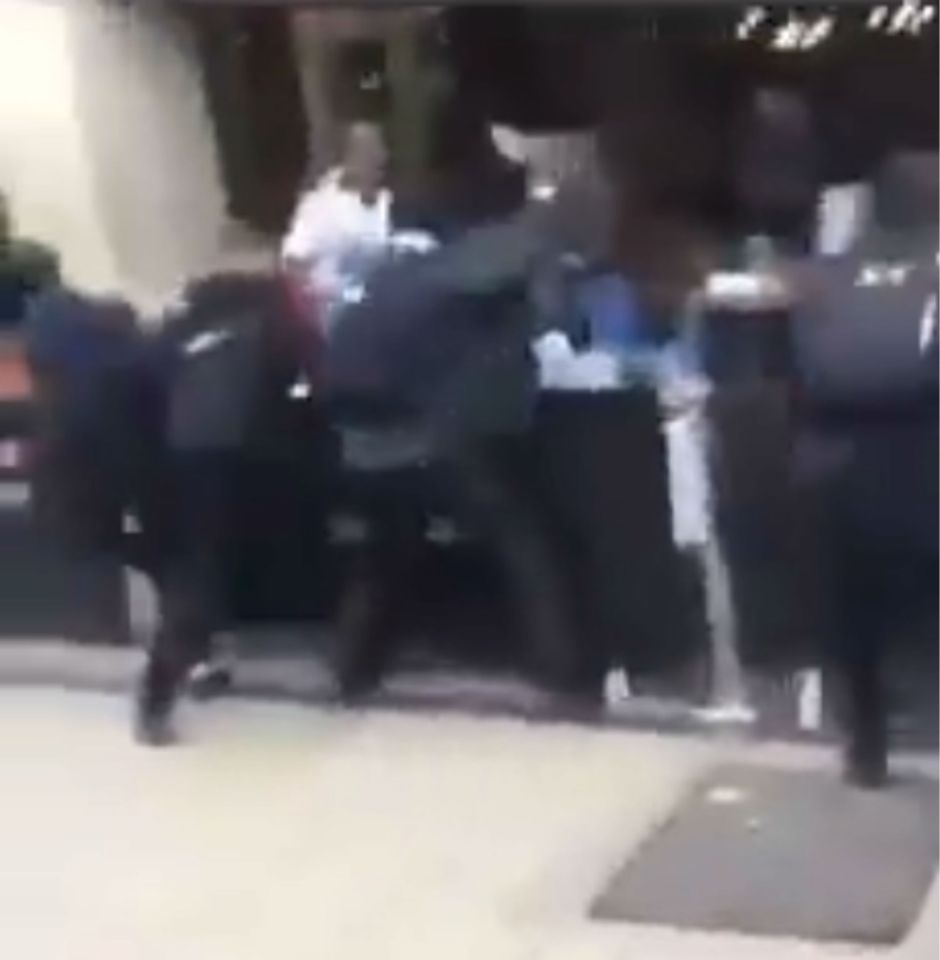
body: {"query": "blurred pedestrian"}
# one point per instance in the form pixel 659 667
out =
pixel 343 223
pixel 867 355
pixel 439 354
pixel 221 360
pixel 91 453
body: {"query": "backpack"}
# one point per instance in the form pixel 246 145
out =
pixel 866 353
pixel 222 361
pixel 865 339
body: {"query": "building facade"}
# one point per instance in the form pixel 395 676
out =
pixel 115 148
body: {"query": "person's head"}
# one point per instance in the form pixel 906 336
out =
pixel 365 157
pixel 460 139
pixel 468 181
pixel 664 177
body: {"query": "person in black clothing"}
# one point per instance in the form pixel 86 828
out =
pixel 458 327
pixel 459 422
pixel 223 364
pixel 92 420
pixel 470 181
pixel 866 348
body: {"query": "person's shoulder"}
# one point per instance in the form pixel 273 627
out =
pixel 324 186
pixel 328 186
pixel 330 178
pixel 327 194
pixel 48 320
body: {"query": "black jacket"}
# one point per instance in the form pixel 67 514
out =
pixel 225 364
pixel 444 339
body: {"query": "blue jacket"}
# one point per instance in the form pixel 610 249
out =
pixel 86 348
pixel 611 308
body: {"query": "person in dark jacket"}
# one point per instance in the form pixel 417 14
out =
pixel 866 349
pixel 91 452
pixel 442 346
pixel 223 356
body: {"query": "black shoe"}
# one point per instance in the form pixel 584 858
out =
pixel 153 708
pixel 352 689
pixel 154 727
pixel 866 768
pixel 358 662
pixel 208 681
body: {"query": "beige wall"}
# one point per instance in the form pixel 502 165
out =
pixel 312 48
pixel 44 167
pixel 149 143
pixel 106 149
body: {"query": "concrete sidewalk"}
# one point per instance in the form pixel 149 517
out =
pixel 283 832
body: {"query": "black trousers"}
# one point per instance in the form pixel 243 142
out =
pixel 881 596
pixel 82 488
pixel 190 572
pixel 382 585
pixel 482 484
pixel 859 642
pixel 601 466
pixel 877 516
pixel 497 495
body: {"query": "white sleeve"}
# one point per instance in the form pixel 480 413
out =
pixel 311 229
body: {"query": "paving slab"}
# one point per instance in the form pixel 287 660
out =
pixel 294 832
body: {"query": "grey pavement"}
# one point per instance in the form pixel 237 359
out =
pixel 286 831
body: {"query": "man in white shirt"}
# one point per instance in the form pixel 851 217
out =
pixel 341 225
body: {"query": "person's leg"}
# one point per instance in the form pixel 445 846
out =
pixel 181 640
pixel 190 589
pixel 214 675
pixel 866 758
pixel 857 659
pixel 381 587
pixel 497 505
pixel 84 501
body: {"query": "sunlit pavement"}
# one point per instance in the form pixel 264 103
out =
pixel 285 832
